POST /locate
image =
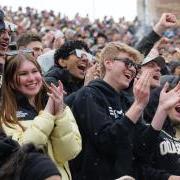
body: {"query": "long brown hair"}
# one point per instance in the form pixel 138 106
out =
pixel 9 105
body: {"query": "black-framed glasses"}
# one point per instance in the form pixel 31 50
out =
pixel 129 63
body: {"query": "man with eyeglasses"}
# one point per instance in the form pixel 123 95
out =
pixel 112 136
pixel 72 60
pixel 153 61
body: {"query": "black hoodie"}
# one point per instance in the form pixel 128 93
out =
pixel 107 134
pixel 165 159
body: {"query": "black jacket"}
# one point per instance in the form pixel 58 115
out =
pixel 70 83
pixel 25 111
pixel 107 134
pixel 147 43
pixel 165 159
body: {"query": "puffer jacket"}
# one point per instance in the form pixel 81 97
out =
pixel 58 135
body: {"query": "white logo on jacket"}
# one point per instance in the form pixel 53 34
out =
pixel 169 146
pixel 115 113
pixel 21 114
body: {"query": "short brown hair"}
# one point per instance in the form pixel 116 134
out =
pixel 27 38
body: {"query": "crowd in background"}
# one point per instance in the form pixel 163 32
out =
pixel 49 26
pixel 30 19
pixel 83 92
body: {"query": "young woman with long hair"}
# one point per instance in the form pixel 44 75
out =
pixel 35 113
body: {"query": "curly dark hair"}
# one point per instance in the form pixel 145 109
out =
pixel 69 46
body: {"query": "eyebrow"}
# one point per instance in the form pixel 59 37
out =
pixel 35 68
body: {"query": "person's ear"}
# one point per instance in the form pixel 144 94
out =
pixel 62 63
pixel 108 63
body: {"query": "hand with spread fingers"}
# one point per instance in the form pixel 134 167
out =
pixel 169 98
pixel 141 90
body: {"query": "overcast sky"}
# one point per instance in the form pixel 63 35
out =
pixel 95 8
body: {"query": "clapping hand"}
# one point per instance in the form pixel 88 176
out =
pixel 55 104
pixel 169 98
pixel 141 88
pixel 57 95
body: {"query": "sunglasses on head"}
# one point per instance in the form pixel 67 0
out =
pixel 83 54
pixel 16 52
pixel 10 54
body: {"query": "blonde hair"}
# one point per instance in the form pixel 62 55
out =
pixel 112 50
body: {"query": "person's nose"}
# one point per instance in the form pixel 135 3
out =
pixel 157 68
pixel 84 59
pixel 31 77
pixel 6 35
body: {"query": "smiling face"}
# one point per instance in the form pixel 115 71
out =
pixel 156 74
pixel 28 79
pixel 75 65
pixel 118 75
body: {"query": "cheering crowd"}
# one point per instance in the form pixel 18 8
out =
pixel 84 100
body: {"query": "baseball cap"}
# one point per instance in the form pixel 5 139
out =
pixel 158 59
